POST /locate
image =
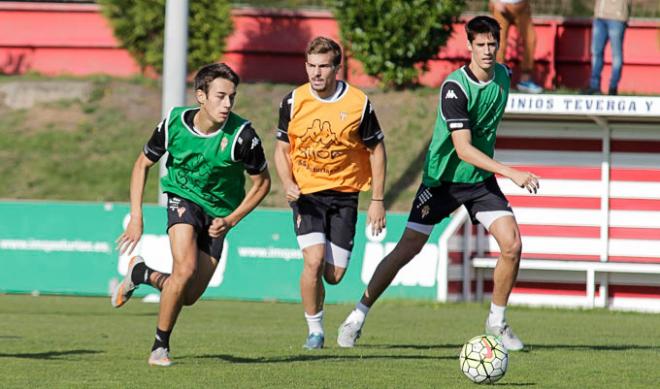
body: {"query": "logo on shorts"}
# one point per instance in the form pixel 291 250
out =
pixel 180 211
pixel 425 211
pixel 223 144
pixel 423 197
pixel 173 203
pixel 255 143
pixel 298 221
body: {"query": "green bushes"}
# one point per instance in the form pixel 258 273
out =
pixel 391 37
pixel 140 25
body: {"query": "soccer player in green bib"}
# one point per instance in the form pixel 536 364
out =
pixel 459 170
pixel 210 150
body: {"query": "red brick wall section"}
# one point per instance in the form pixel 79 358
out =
pixel 75 39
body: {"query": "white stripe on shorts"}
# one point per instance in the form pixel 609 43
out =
pixel 311 239
pixel 487 218
pixel 425 229
pixel 336 255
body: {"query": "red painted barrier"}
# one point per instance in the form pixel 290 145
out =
pixel 56 39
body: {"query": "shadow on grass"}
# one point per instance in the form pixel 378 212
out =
pixel 313 357
pixel 456 347
pixel 49 354
pixel 114 313
pixel 603 347
pixel 528 347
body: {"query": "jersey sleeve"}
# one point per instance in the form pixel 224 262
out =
pixel 156 146
pixel 248 149
pixel 369 129
pixel 453 105
pixel 509 72
pixel 285 116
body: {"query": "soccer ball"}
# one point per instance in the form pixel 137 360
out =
pixel 484 359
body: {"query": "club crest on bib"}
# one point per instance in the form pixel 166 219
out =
pixel 425 211
pixel 223 144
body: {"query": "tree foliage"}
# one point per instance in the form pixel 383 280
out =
pixel 140 26
pixel 392 37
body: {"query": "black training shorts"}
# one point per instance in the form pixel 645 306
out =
pixel 180 210
pixel 432 204
pixel 331 213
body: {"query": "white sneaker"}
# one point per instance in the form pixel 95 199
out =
pixel 349 332
pixel 506 335
pixel 160 357
pixel 125 289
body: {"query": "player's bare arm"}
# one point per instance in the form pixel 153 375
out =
pixel 462 140
pixel 498 6
pixel 259 189
pixel 376 211
pixel 283 166
pixel 127 241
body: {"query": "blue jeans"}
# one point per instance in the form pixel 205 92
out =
pixel 602 31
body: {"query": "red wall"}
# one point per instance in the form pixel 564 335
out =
pixel 75 39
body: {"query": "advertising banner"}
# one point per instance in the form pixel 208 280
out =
pixel 69 248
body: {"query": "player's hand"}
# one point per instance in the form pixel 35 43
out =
pixel 292 191
pixel 219 227
pixel 376 217
pixel 526 180
pixel 127 241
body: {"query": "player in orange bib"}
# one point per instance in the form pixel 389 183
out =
pixel 330 147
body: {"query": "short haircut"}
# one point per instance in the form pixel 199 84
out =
pixel 207 73
pixel 482 25
pixel 322 45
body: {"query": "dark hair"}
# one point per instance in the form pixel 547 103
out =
pixel 207 73
pixel 322 45
pixel 482 25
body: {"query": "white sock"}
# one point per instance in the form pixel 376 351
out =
pixel 496 315
pixel 359 314
pixel 315 323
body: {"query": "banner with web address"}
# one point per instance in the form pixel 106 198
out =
pixel 69 248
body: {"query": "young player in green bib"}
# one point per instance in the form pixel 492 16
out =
pixel 459 170
pixel 210 149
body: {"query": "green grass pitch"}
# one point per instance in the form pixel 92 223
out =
pixel 65 342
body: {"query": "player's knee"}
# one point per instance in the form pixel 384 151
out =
pixel 314 265
pixel 512 249
pixel 334 276
pixel 332 279
pixel 184 273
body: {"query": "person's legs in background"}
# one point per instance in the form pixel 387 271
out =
pixel 522 13
pixel 615 32
pixel 598 42
pixel 502 17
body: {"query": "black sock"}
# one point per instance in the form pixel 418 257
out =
pixel 140 274
pixel 162 339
